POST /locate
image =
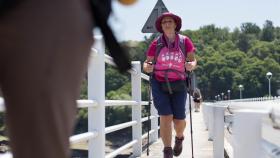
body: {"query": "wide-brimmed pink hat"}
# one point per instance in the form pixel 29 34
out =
pixel 176 18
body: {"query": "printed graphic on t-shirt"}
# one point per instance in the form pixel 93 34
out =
pixel 170 59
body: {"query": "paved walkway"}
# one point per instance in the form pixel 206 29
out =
pixel 202 147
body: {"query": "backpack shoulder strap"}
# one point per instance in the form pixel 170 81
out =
pixel 159 46
pixel 182 44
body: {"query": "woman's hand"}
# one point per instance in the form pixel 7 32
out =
pixel 148 67
pixel 190 65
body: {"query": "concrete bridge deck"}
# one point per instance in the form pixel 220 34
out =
pixel 202 147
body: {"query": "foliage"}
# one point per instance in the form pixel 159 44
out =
pixel 113 79
pixel 244 56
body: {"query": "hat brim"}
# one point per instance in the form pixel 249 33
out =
pixel 176 18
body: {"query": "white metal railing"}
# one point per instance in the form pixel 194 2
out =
pixel 243 119
pixel 94 139
pixel 96 114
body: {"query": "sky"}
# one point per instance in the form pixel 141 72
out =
pixel 127 21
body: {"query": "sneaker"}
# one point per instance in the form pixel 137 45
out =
pixel 177 150
pixel 167 152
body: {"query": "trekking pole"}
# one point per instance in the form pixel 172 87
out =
pixel 149 113
pixel 190 108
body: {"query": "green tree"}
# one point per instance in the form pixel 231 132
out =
pixel 250 28
pixel 252 71
pixel 114 80
pixel 277 33
pixel 268 31
pixel 235 35
pixel 243 42
pixel 260 50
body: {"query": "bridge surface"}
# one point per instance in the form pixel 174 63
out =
pixel 202 147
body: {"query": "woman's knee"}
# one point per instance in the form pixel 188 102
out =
pixel 179 121
pixel 166 118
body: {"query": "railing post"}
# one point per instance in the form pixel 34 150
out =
pixel 210 115
pixel 205 109
pixel 247 134
pixel 136 109
pixel 218 132
pixel 96 91
pixel 154 123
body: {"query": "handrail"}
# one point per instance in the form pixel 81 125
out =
pixel 233 113
pixel 109 60
pixel 80 104
pixel 144 103
pixel 120 102
pixel 252 99
pixel 122 148
pixel 145 77
pixel 272 108
pixel 146 118
pixel 87 103
pixel 82 137
pixel 119 126
pixel 146 134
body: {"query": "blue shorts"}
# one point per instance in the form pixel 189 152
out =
pixel 169 104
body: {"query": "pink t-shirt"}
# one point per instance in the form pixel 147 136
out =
pixel 188 43
pixel 170 58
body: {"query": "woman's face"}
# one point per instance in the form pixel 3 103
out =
pixel 168 25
